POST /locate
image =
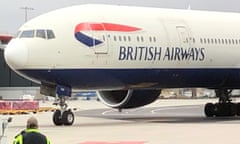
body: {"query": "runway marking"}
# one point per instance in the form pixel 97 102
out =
pixel 105 112
pixel 172 108
pixel 105 142
pixel 113 112
pixel 119 113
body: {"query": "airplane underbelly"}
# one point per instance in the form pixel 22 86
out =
pixel 139 78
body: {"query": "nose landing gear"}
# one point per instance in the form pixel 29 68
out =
pixel 63 116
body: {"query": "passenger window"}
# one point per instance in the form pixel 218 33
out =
pixel 137 38
pixel 41 34
pixel 226 41
pixel 124 38
pixel 142 39
pixel 115 38
pixel 129 38
pixel 154 39
pixel 27 34
pixel 236 41
pixel 120 38
pixel 150 39
pixel 50 34
pixel 201 40
pixel 193 40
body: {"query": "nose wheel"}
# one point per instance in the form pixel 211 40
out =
pixel 63 116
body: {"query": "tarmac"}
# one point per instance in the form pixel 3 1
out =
pixel 163 122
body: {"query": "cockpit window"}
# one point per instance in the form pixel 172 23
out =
pixel 50 34
pixel 27 34
pixel 41 34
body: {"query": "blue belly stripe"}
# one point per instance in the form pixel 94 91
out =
pixel 161 78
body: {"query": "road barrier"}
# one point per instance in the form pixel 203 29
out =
pixel 22 107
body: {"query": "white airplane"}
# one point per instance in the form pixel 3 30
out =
pixel 128 54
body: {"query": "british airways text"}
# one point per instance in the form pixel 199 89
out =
pixel 143 53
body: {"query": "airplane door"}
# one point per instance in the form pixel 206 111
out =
pixel 178 34
pixel 100 39
pixel 184 36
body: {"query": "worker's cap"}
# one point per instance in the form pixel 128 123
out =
pixel 32 122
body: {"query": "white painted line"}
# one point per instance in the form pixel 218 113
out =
pixel 172 108
pixel 106 112
pixel 114 112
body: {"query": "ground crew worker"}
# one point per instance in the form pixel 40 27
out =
pixel 31 134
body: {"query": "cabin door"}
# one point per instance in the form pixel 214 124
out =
pixel 100 40
pixel 184 37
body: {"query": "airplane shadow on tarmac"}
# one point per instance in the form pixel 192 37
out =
pixel 174 114
pixel 182 119
pixel 146 115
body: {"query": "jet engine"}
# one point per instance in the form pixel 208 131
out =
pixel 124 99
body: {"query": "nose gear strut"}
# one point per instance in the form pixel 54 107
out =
pixel 63 116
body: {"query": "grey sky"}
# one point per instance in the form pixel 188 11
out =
pixel 12 17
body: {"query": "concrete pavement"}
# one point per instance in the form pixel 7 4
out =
pixel 87 130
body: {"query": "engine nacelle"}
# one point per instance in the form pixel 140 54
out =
pixel 124 99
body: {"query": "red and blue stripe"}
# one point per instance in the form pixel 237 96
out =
pixel 90 41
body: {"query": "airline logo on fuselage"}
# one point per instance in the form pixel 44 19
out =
pixel 88 27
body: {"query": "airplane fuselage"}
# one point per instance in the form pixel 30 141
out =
pixel 120 47
pixel 128 54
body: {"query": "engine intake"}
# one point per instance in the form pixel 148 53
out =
pixel 125 99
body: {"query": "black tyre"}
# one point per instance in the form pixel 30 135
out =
pixel 57 118
pixel 209 110
pixel 221 110
pixel 233 109
pixel 68 117
pixel 238 109
pixel 225 109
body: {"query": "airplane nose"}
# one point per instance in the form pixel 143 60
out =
pixel 16 54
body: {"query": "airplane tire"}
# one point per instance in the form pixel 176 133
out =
pixel 238 109
pixel 233 109
pixel 57 120
pixel 222 109
pixel 225 109
pixel 209 109
pixel 68 117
